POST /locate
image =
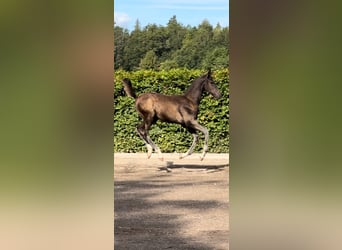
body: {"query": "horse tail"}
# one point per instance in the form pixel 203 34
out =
pixel 128 88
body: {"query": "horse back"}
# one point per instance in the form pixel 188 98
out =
pixel 173 108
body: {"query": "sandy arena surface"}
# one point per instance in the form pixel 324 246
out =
pixel 171 204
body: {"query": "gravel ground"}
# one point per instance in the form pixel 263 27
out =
pixel 171 204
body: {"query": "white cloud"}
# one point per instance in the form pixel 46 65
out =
pixel 121 19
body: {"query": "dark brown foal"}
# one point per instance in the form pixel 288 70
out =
pixel 181 109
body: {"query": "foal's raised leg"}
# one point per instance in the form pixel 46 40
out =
pixel 195 125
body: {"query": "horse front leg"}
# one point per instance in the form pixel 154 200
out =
pixel 191 149
pixel 195 125
pixel 205 147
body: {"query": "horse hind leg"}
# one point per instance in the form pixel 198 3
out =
pixel 143 132
pixel 155 147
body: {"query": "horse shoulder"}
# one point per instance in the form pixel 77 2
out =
pixel 187 110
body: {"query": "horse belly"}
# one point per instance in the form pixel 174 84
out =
pixel 169 114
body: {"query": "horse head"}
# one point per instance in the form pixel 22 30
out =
pixel 210 86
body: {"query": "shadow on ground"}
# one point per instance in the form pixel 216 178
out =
pixel 214 168
pixel 139 222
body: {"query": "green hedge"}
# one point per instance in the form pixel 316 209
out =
pixel 214 114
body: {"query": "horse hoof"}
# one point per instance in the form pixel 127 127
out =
pixel 182 156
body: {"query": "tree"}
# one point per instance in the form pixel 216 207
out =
pixel 176 33
pixel 134 51
pixel 137 26
pixel 217 58
pixel 168 64
pixel 196 44
pixel 149 61
pixel 155 39
pixel 170 46
pixel 120 39
pixel 187 56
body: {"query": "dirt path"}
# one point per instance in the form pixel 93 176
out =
pixel 182 207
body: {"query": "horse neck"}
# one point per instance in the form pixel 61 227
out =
pixel 195 91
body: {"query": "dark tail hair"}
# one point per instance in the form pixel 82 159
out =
pixel 128 88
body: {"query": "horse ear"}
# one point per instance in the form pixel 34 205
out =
pixel 209 73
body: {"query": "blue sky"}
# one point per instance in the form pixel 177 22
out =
pixel 188 12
